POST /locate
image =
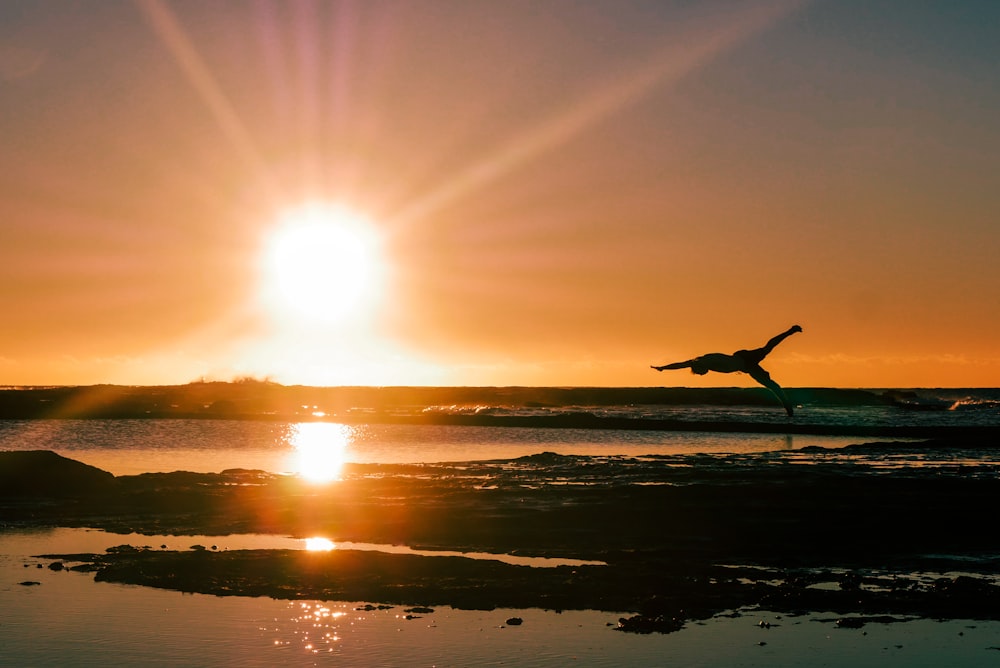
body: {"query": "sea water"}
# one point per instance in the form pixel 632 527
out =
pixel 128 447
pixel 70 619
pixel 132 446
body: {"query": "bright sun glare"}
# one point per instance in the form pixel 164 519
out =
pixel 319 544
pixel 319 449
pixel 321 265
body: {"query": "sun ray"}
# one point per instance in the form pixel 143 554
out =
pixel 170 32
pixel 666 67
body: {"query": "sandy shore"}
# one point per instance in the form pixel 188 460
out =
pixel 680 542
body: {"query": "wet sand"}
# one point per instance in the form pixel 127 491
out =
pixel 681 542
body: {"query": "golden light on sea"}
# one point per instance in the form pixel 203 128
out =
pixel 319 544
pixel 319 450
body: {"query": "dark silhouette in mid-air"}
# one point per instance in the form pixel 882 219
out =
pixel 742 361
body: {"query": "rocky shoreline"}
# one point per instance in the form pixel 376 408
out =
pixel 681 542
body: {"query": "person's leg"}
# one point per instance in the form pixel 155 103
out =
pixel 760 353
pixel 764 378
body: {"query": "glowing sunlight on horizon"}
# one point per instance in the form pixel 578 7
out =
pixel 322 276
pixel 319 544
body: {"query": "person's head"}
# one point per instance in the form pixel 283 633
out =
pixel 699 368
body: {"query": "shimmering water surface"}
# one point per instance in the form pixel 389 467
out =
pixel 127 447
pixel 68 619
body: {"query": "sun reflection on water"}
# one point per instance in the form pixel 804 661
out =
pixel 319 449
pixel 317 544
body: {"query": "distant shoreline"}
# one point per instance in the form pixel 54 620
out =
pixel 548 407
pixel 265 400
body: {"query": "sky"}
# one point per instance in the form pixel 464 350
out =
pixel 555 192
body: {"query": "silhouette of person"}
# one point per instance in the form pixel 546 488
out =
pixel 742 361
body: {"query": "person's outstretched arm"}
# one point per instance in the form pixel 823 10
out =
pixel 675 365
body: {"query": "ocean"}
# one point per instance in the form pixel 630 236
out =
pixel 69 618
pixel 515 422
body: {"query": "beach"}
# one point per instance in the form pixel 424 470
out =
pixel 680 541
pixel 873 534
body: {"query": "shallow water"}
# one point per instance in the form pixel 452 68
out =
pixel 79 541
pixel 128 447
pixel 68 618
pixel 132 446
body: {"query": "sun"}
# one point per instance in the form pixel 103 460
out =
pixel 321 264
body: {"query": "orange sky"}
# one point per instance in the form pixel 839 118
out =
pixel 562 192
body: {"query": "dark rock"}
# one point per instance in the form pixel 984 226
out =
pixel 646 624
pixel 85 568
pixel 56 566
pixel 515 621
pixel 43 473
pixel 29 583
